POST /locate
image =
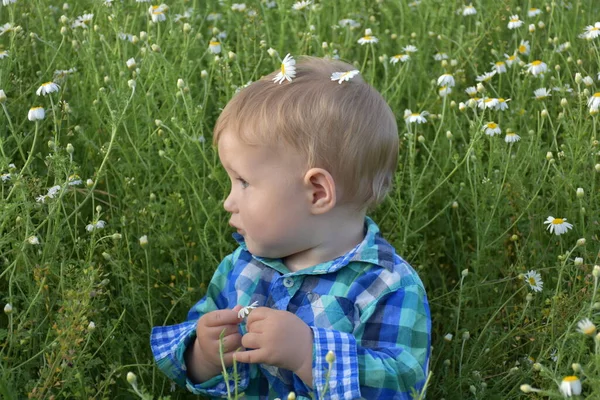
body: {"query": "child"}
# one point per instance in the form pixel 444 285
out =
pixel 308 151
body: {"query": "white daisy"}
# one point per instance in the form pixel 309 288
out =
pixel 3 54
pixel 446 80
pixel 48 87
pixel 214 16
pixel 524 47
pixel 440 56
pixel 445 91
pixel 558 226
pixel 157 13
pixel 491 129
pixel 5 177
pixel 570 386
pixel 368 38
pixel 594 102
pixel 300 5
pixel 514 22
pixel 36 114
pixel 214 46
pixel 534 279
pixel 469 10
pixel 533 12
pixel 9 27
pixel 245 311
pixel 486 77
pixel 83 21
pixel 591 32
pixel 344 76
pixel 586 327
pixel 399 57
pixel 352 24
pixel 502 104
pixel 410 49
pixel 562 47
pixel 471 91
pixel 510 60
pixel 487 102
pixel 541 93
pixel 7 2
pixel 238 7
pixel 499 67
pixel 536 67
pixel 588 81
pixel 287 70
pixel 33 240
pixel 100 224
pixel 418 118
pixel 511 137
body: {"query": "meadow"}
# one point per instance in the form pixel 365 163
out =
pixel 111 194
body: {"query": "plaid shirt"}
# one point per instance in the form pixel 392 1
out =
pixel 368 306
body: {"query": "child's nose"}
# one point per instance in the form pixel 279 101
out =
pixel 229 204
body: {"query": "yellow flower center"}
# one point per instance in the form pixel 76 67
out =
pixel 282 68
pixel 415 115
pixel 571 378
pixel 533 9
pixel 594 29
pixel 513 57
pixel 214 43
pixel 531 279
pixel 536 63
pixel 500 63
pixel 514 19
pixel 597 94
pixel 492 125
pixel 368 37
pixel 47 84
pixel 557 221
pixel 488 100
pixel 501 100
pixel 522 48
pixel 590 330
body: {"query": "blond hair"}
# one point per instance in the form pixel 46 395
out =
pixel 348 129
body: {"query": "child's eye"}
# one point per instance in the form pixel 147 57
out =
pixel 243 182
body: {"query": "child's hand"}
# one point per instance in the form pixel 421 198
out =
pixel 277 338
pixel 208 331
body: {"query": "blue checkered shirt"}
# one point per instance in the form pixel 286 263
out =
pixel 368 306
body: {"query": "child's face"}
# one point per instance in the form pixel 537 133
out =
pixel 268 201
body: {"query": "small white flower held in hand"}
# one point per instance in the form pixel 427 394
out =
pixel 344 76
pixel 245 311
pixel 558 226
pixel 288 70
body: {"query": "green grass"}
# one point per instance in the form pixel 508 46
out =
pixel 462 200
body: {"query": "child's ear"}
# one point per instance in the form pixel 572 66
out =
pixel 320 189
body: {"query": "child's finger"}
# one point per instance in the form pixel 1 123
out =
pixel 251 341
pixel 232 342
pixel 221 317
pixel 249 356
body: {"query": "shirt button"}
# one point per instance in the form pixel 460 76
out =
pixel 288 282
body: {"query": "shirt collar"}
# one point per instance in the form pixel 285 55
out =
pixel 374 249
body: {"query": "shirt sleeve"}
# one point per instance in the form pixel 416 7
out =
pixel 169 343
pixel 387 355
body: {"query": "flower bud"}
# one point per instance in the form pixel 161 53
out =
pixel 455 206
pixel 580 193
pixel 330 357
pixel 578 261
pixel 464 272
pixel 131 84
pixel 596 273
pixel 466 335
pixel 8 308
pixel 203 74
pixel 526 388
pixel 187 28
pixel 143 35
pixel 144 241
pixel 564 102
pixel 544 113
pixel 131 378
pixel 531 28
pixel 581 242
pixel 578 78
pixel 91 326
pixel 70 148
pixel 180 83
pixel 2 96
pixel 549 156
pixel 116 236
pixel 529 297
pixel 448 337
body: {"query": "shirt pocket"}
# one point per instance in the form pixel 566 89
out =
pixel 327 311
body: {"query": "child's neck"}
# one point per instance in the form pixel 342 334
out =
pixel 336 242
